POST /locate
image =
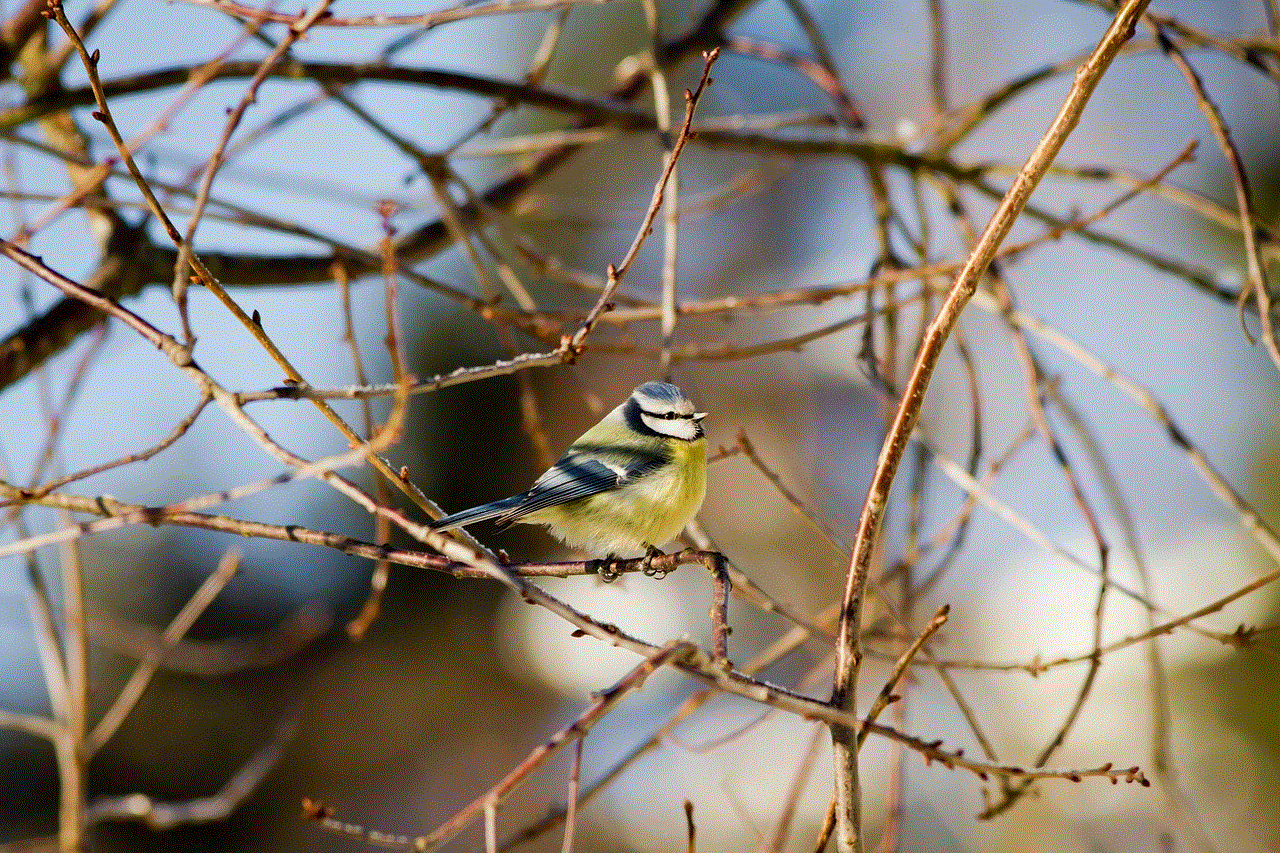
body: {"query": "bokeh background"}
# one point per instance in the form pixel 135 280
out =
pixel 458 680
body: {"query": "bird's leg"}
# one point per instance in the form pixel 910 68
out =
pixel 647 565
pixel 608 571
pixel 607 568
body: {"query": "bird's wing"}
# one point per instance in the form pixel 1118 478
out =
pixel 575 477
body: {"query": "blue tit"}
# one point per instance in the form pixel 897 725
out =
pixel 628 484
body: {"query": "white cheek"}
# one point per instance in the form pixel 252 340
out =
pixel 685 429
pixel 681 428
pixel 658 425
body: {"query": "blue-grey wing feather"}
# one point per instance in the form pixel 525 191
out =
pixel 572 478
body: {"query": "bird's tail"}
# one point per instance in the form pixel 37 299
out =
pixel 484 512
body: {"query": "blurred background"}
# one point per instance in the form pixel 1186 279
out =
pixel 457 680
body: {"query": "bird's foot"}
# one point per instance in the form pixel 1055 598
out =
pixel 607 568
pixel 647 565
pixel 608 571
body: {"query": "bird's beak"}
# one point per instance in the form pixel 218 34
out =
pixel 698 416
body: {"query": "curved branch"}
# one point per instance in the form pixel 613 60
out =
pixel 598 111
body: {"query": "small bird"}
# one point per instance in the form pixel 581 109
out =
pixel 628 484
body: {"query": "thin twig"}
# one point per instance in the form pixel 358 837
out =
pixel 573 345
pixel 158 815
pixel 484 803
pixel 1258 286
pixel 133 688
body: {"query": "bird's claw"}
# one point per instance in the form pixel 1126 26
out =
pixel 607 568
pixel 647 565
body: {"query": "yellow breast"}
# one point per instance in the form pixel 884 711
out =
pixel 650 511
